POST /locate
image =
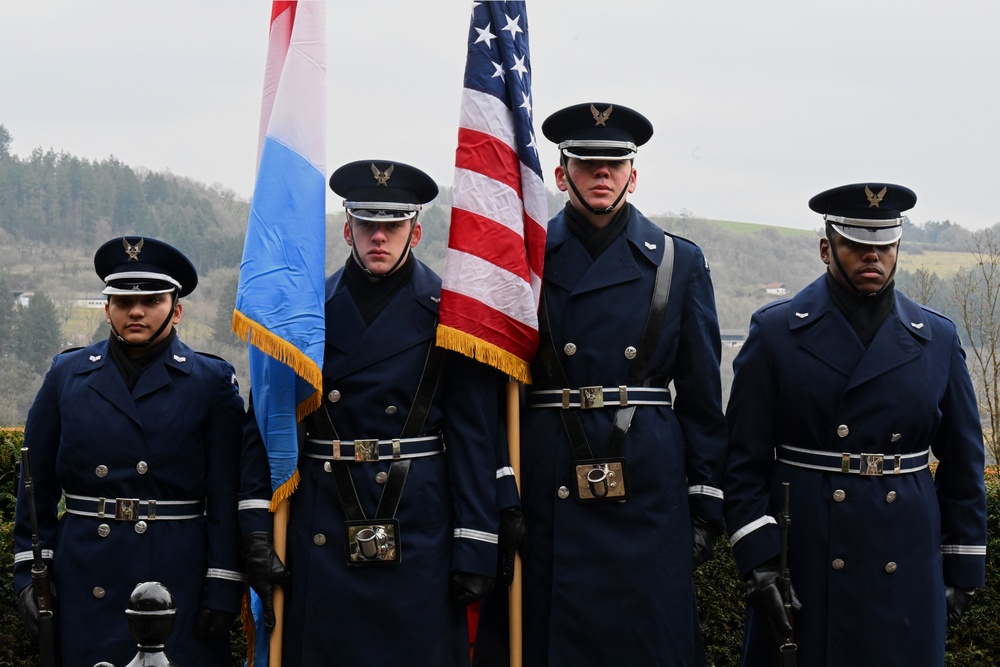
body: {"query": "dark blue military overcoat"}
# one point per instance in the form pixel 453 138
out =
pixel 611 584
pixel 395 614
pixel 869 555
pixel 175 436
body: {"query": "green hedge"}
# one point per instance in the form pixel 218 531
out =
pixel 974 643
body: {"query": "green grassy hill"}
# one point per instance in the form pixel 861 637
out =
pixel 912 257
pixel 744 228
pixel 942 262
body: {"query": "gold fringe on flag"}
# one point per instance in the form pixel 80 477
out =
pixel 285 491
pixel 280 349
pixel 487 353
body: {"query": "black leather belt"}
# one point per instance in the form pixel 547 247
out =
pixel 867 464
pixel 134 509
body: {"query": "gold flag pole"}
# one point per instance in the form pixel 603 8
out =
pixel 514 446
pixel 278 594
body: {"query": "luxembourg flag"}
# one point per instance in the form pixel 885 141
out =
pixel 279 300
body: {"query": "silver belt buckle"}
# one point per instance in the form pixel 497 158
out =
pixel 127 509
pixel 366 450
pixel 871 464
pixel 591 397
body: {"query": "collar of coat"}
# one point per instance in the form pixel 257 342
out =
pixel 407 321
pixel 815 302
pixel 177 355
pixel 570 267
pixel 640 232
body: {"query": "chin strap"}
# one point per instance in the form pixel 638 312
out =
pixel 402 257
pixel 840 267
pixel 114 330
pixel 595 211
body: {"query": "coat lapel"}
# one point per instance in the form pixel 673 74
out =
pixel 178 357
pixel 106 380
pixel 896 343
pixel 825 334
pixel 569 266
pixel 828 336
pixel 401 325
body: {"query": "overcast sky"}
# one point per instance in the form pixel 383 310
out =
pixel 756 105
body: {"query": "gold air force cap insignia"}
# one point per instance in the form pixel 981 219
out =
pixel 601 117
pixel 133 250
pixel 382 177
pixel 874 199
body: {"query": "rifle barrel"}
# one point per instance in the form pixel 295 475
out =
pixel 41 591
pixel 789 649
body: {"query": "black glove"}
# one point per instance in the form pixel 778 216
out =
pixel 513 538
pixel 704 535
pixel 958 600
pixel 212 624
pixel 764 593
pixel 466 588
pixel 27 608
pixel 264 570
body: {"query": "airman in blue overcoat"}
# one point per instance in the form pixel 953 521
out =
pixel 143 435
pixel 394 525
pixel 620 480
pixel 847 392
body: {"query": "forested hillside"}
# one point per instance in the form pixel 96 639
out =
pixel 56 209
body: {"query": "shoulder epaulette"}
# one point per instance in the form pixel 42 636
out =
pixel 682 238
pixel 210 355
pixel 772 304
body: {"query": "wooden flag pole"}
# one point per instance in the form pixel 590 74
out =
pixel 514 445
pixel 277 592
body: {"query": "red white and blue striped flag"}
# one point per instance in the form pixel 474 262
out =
pixel 496 243
pixel 279 300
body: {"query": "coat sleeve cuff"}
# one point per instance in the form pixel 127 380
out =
pixel 223 590
pixel 964 566
pixel 475 552
pixel 755 543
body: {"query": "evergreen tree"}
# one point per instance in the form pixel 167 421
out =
pixel 222 328
pixel 101 332
pixel 20 383
pixel 5 141
pixel 37 335
pixel 6 314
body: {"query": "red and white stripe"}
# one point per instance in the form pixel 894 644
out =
pixel 496 245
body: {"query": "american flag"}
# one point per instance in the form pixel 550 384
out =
pixel 496 244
